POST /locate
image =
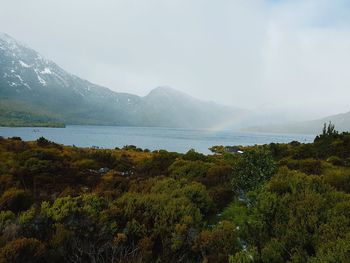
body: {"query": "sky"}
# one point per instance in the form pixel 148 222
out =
pixel 287 56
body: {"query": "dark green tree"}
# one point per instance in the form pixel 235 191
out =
pixel 253 168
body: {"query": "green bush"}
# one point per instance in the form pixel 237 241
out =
pixel 252 169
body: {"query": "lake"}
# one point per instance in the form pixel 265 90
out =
pixel 171 139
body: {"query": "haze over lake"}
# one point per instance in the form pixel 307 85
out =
pixel 171 139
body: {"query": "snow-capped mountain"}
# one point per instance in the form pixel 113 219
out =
pixel 31 83
pixel 26 76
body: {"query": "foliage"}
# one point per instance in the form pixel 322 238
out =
pixel 218 243
pixel 308 166
pixel 293 217
pixel 15 200
pixel 69 204
pixel 244 256
pixel 252 169
pixel 22 250
pixel 189 169
pixel 6 218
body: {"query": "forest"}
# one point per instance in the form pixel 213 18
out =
pixel 263 203
pixel 16 114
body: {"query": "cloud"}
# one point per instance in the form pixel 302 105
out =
pixel 289 55
pixel 306 56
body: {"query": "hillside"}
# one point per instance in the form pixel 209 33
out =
pixel 46 92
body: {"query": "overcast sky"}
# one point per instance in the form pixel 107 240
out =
pixel 289 55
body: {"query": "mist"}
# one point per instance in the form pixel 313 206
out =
pixel 286 57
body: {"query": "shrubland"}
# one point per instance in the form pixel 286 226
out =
pixel 271 203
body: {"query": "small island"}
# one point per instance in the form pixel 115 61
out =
pixel 33 124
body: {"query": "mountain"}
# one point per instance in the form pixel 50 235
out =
pixel 341 122
pixel 184 109
pixel 35 89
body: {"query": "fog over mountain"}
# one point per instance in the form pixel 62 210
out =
pixel 341 122
pixel 33 88
pixel 288 59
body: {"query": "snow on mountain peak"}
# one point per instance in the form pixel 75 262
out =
pixel 23 64
pixel 46 71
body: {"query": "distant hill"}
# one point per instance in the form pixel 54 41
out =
pixel 341 122
pixel 36 90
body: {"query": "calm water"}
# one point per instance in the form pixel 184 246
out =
pixel 179 140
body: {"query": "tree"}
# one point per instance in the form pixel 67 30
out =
pixel 43 142
pixel 253 168
pixel 327 132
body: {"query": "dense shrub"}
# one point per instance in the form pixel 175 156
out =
pixel 338 178
pixel 335 160
pixel 15 200
pixel 308 166
pixel 252 169
pixel 169 207
pixel 217 244
pixel 23 250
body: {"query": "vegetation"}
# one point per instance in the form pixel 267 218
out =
pixel 29 123
pixel 17 114
pixel 271 203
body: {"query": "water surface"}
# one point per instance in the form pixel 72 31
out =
pixel 153 138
